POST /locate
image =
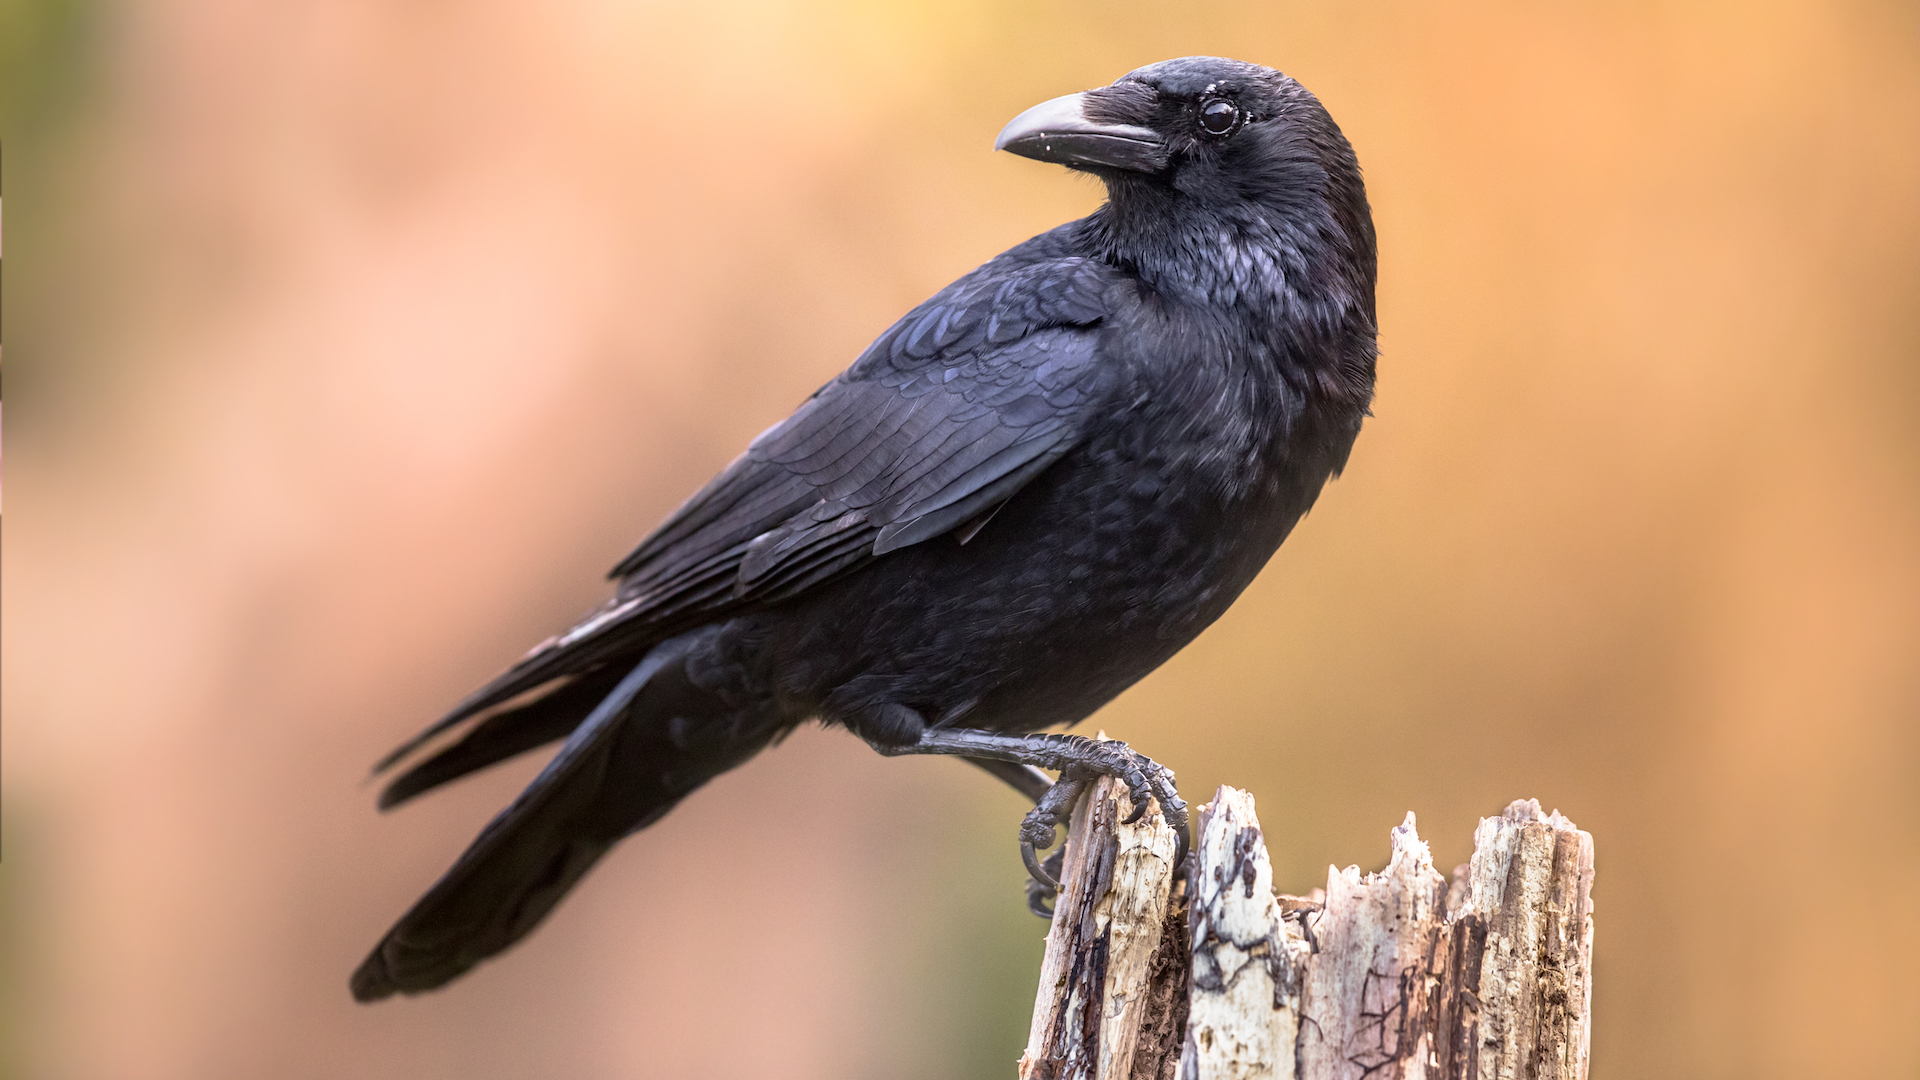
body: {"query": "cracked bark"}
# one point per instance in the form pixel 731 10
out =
pixel 1390 976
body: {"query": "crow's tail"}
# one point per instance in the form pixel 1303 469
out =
pixel 651 738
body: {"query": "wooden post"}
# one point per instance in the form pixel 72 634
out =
pixel 1392 976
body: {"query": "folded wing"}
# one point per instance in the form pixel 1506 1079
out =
pixel 951 411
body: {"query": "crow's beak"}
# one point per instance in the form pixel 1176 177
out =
pixel 1102 128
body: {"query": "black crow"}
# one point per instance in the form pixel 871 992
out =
pixel 1023 497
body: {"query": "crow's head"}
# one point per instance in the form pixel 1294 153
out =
pixel 1220 132
pixel 1229 185
pixel 1201 150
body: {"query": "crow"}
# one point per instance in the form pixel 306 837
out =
pixel 1024 496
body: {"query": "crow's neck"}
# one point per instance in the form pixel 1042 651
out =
pixel 1291 278
pixel 1246 259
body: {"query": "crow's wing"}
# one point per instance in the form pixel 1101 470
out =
pixel 952 410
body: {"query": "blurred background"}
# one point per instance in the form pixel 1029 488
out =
pixel 354 340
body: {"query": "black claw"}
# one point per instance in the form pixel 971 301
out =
pixel 1035 869
pixel 1038 893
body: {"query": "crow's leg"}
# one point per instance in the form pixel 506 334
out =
pixel 1145 778
pixel 1075 757
pixel 1024 779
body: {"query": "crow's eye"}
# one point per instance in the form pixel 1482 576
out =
pixel 1219 118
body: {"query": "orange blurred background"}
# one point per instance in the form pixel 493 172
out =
pixel 353 341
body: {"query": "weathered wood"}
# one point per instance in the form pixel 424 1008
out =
pixel 1520 913
pixel 1244 1016
pixel 1399 974
pixel 1163 1028
pixel 1366 985
pixel 1107 927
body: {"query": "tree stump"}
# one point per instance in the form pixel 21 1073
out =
pixel 1483 975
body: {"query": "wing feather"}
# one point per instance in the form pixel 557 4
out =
pixel 964 401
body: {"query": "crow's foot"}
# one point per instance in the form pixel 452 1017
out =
pixel 1077 759
pixel 1037 830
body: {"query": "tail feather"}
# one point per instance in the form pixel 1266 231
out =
pixel 506 734
pixel 602 638
pixel 621 769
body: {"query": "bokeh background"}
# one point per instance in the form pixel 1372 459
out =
pixel 353 340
